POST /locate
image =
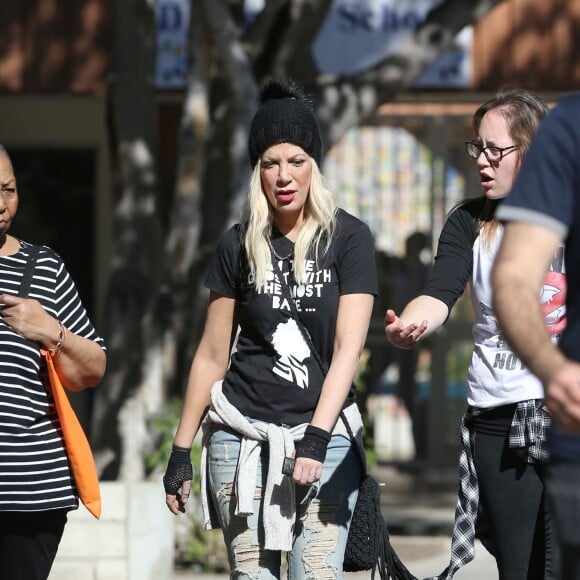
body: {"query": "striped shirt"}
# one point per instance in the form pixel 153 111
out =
pixel 34 468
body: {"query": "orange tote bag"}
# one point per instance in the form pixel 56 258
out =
pixel 77 446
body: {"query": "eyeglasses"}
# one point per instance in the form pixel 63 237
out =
pixel 492 154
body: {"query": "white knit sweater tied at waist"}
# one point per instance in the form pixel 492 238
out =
pixel 279 510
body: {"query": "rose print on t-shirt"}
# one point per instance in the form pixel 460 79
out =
pixel 292 349
pixel 553 294
pixel 553 299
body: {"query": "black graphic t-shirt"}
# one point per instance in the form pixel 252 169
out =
pixel 273 376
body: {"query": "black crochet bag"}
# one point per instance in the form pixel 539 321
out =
pixel 368 546
pixel 362 551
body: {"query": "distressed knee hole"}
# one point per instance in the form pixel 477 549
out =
pixel 250 557
pixel 320 522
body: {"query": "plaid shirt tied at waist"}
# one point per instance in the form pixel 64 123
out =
pixel 528 431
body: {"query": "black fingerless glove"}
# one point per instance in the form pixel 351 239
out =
pixel 179 469
pixel 314 443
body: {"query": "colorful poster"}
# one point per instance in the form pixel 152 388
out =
pixel 387 177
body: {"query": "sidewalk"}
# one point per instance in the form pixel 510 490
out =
pixel 417 503
pixel 423 556
pixel 419 511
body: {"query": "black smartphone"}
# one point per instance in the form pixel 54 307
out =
pixel 288 465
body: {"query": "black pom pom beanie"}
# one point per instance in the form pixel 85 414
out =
pixel 285 115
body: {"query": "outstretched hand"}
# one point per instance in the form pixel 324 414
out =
pixel 400 335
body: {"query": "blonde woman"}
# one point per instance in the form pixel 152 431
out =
pixel 279 471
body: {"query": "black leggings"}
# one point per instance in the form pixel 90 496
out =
pixel 512 505
pixel 29 542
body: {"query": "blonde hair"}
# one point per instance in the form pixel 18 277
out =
pixel 316 231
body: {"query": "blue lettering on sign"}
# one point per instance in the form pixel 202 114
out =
pixel 408 20
pixel 351 18
pixel 169 18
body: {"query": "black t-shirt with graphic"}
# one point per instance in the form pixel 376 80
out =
pixel 273 376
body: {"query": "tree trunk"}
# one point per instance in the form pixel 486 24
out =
pixel 121 402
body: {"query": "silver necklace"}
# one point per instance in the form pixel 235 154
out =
pixel 276 253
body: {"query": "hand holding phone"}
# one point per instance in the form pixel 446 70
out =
pixel 288 466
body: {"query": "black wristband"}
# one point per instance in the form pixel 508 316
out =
pixel 180 454
pixel 314 444
pixel 317 432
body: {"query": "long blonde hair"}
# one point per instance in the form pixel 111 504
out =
pixel 316 231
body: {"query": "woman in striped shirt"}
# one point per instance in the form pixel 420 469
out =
pixel 36 485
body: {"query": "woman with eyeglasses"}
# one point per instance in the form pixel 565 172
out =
pixel 501 488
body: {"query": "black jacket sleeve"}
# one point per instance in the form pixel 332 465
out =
pixel 454 260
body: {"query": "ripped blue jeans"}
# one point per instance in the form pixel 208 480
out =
pixel 322 521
